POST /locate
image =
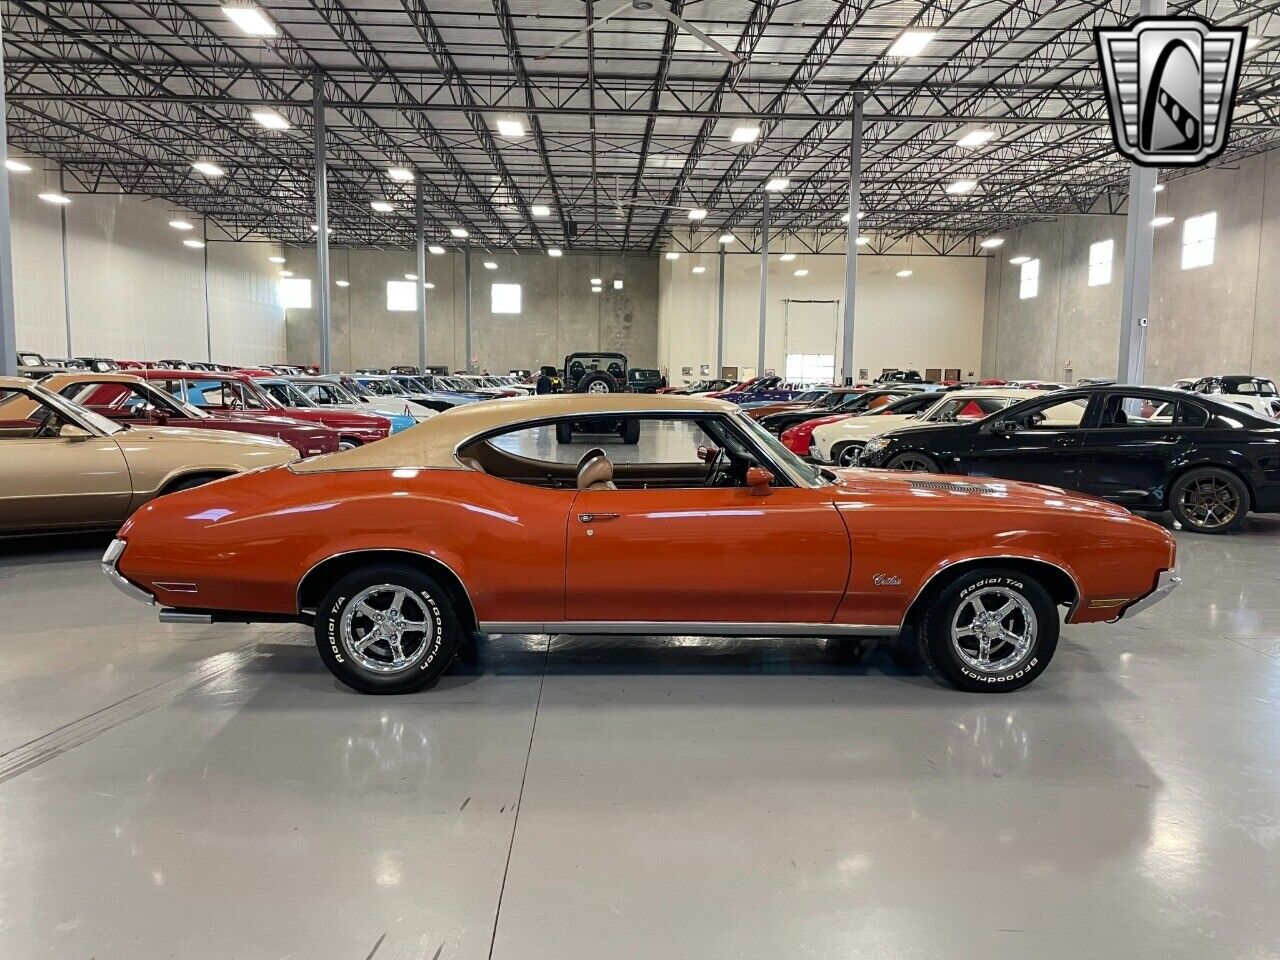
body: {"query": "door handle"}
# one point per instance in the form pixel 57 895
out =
pixel 595 517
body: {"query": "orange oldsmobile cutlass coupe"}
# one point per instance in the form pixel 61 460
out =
pixel 479 520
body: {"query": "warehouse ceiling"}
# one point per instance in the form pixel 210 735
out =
pixel 622 130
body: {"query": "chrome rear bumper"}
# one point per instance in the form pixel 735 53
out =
pixel 109 561
pixel 1166 583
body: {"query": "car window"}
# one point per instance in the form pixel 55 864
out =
pixel 26 415
pixel 960 407
pixel 660 441
pixel 1137 410
pixel 1053 415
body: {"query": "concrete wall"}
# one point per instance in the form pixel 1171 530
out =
pixel 134 290
pixel 559 315
pixel 931 319
pixel 1224 317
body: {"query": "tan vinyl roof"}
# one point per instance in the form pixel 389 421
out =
pixel 431 444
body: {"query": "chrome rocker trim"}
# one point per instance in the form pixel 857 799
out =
pixel 1166 583
pixel 109 561
pixel 671 628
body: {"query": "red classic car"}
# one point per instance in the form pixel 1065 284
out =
pixel 479 520
pixel 236 394
pixel 128 398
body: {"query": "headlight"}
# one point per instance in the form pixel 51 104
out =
pixel 875 446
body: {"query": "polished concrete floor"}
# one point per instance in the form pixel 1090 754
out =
pixel 211 792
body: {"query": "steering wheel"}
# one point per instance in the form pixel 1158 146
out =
pixel 715 460
pixel 49 426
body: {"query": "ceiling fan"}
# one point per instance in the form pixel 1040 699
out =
pixel 658 8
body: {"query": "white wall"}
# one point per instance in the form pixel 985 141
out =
pixel 135 291
pixel 931 319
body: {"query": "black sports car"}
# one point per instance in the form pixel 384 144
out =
pixel 1242 384
pixel 837 401
pixel 1208 462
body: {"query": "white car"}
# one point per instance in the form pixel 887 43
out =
pixel 1268 407
pixel 841 443
pixel 329 392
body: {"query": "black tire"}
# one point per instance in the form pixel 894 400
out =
pixel 629 431
pixel 986 586
pixel 434 651
pixel 190 483
pixel 846 455
pixel 1200 497
pixel 914 461
pixel 564 433
pixel 602 381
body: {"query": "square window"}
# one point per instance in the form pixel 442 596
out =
pixel 402 295
pixel 504 298
pixel 1029 280
pixel 1198 234
pixel 1100 256
pixel 810 368
pixel 295 293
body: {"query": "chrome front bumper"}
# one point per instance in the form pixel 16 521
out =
pixel 109 561
pixel 1166 583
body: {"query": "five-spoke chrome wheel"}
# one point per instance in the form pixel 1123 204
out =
pixel 386 628
pixel 1209 502
pixel 993 630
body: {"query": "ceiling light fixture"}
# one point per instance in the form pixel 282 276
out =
pixel 976 138
pixel 342 283
pixel 428 285
pixel 617 284
pixel 436 249
pixel 596 281
pixel 957 187
pixel 992 243
pixel 459 232
pixel 510 128
pixel 276 259
pixel 911 43
pixel 802 272
pixel 52 196
pixel 540 210
pixel 250 18
pixel 726 238
pixel 697 213
pixel 400 174
pixel 554 252
pixel 672 255
pixel 1161 221
pixel 490 265
pixel 193 244
pixel 744 134
pixel 270 119
pixel 1158 188
pixel 380 206
pixel 787 257
pixel 411 276
pixel 182 225
pixel 699 269
pixel 207 168
pixel 286 273
pixel 862 241
pixel 17 166
pixel 1018 261
pixel 777 184
pixel 904 273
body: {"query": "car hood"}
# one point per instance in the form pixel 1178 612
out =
pixel 864 427
pixel 187 434
pixel 338 419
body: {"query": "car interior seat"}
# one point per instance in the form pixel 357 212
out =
pixel 595 471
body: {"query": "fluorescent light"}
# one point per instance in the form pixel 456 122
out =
pixel 910 43
pixel 342 283
pixel 540 210
pixel 276 259
pixel 697 213
pixel 17 166
pixel 904 273
pixel 975 138
pixel 672 255
pixel 207 168
pixel 286 273
pixel 862 241
pixel 596 289
pixel 596 281
pixel 1018 260
pixel 1158 188
pixel 270 119
pixel 726 238
pixel 52 196
pixel 400 174
pixel 193 243
pixel 787 257
pixel 380 206
pixel 459 232
pixel 992 242
pixel 699 269
pixel 961 186
pixel 554 251
pixel 1157 222
pixel 617 284
pixel 182 225
pixel 428 285
pixel 434 248
pixel 510 128
pixel 411 276
pixel 777 184
pixel 490 265
pixel 802 272
pixel 744 134
pixel 250 18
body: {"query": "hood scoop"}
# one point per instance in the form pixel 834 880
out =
pixel 950 486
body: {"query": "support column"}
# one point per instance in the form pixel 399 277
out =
pixel 322 231
pixel 66 275
pixel 466 302
pixel 8 323
pixel 1139 238
pixel 208 312
pixel 851 243
pixel 420 213
pixel 715 373
pixel 764 280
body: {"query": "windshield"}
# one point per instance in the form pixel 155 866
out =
pixel 287 393
pixel 780 453
pixel 414 384
pixel 31 360
pixel 383 388
pixel 961 407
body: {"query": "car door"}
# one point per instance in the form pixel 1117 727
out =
pixel 1137 436
pixel 1041 444
pixel 70 479
pixel 703 554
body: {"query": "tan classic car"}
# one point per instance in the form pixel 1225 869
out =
pixel 66 468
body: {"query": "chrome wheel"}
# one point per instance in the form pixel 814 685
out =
pixel 913 462
pixel 849 456
pixel 598 386
pixel 1209 503
pixel 993 630
pixel 386 628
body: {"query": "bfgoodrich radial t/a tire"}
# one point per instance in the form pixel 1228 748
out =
pixel 387 629
pixel 990 630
